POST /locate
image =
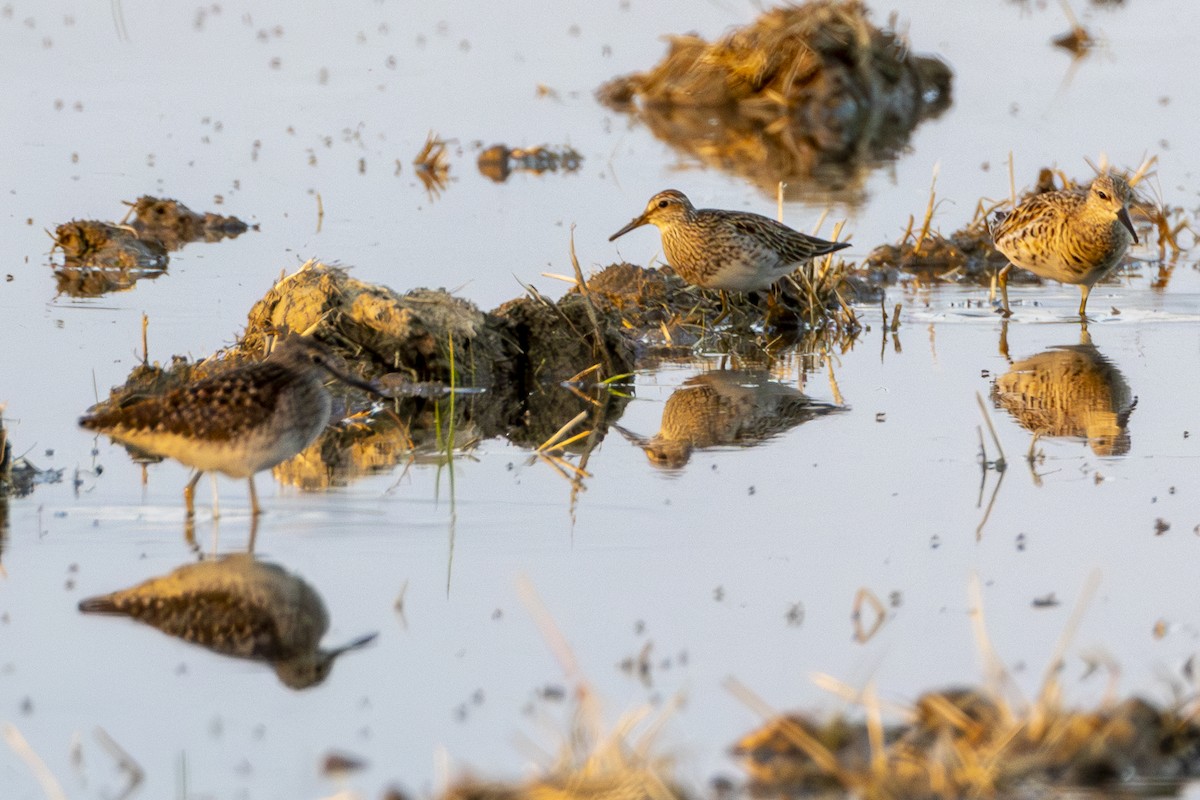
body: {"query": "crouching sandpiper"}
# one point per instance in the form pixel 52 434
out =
pixel 1074 236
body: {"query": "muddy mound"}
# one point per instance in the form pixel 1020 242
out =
pixel 813 95
pixel 449 374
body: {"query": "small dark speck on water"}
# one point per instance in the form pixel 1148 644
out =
pixel 895 599
pixel 639 627
pixel 935 542
pixel 497 614
pixel 1161 526
pixel 795 615
pixel 1021 542
pixel 750 491
pixel 719 592
pixel 880 416
pixel 1049 601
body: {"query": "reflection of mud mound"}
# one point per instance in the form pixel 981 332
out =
pixel 727 408
pixel 239 607
pixel 99 257
pixel 498 161
pixel 1069 391
pixel 812 95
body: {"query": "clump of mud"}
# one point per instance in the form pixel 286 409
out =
pixel 102 257
pixel 969 743
pixel 449 374
pixel 172 224
pixel 661 310
pixel 499 161
pixel 813 95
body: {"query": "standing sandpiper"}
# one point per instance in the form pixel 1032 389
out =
pixel 1073 236
pixel 727 250
pixel 239 422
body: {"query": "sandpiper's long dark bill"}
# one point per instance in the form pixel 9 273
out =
pixel 1073 236
pixel 238 422
pixel 727 250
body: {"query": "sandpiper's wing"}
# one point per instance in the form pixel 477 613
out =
pixel 792 245
pixel 1035 215
pixel 218 408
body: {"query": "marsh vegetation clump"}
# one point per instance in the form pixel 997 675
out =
pixel 813 95
pixel 102 257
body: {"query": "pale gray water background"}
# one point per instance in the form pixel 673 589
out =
pixel 839 503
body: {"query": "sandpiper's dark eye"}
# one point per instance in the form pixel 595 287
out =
pixel 663 203
pixel 1103 195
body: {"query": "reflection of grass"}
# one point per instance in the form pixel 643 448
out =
pixel 591 762
pixel 447 445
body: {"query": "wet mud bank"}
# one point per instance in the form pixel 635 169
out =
pixel 448 374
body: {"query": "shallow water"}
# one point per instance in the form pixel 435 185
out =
pixel 707 561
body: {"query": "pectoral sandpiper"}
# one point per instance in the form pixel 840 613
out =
pixel 726 250
pixel 238 422
pixel 1074 236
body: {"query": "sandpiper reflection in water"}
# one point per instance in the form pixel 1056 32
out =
pixel 240 607
pixel 1073 391
pixel 736 408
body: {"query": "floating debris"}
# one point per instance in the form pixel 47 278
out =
pixel 433 166
pixel 240 607
pixel 499 161
pixel 812 95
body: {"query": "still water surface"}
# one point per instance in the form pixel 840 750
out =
pixel 707 562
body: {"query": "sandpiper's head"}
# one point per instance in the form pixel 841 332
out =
pixel 310 669
pixel 665 208
pixel 304 352
pixel 1111 194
